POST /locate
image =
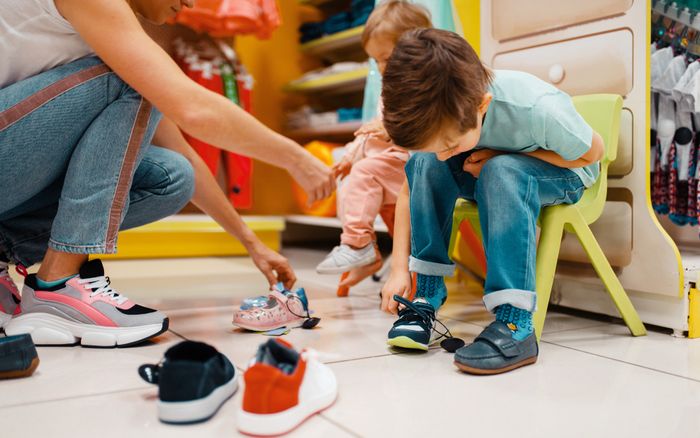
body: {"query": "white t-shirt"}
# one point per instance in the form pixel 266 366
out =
pixel 34 37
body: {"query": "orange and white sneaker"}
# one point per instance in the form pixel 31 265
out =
pixel 283 388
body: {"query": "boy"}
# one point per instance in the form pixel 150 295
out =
pixel 504 139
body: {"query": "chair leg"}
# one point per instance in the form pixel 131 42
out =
pixel 547 255
pixel 607 275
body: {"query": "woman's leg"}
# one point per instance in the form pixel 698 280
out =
pixel 163 184
pixel 80 129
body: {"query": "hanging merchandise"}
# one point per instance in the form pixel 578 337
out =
pixel 214 65
pixel 675 84
pixel 227 18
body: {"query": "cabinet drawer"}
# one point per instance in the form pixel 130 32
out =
pixel 623 164
pixel 613 230
pixel 593 64
pixel 515 18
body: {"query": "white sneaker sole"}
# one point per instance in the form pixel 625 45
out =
pixel 289 324
pixel 47 329
pixel 197 410
pixel 4 319
pixel 364 261
pixel 285 421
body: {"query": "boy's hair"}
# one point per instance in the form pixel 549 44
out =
pixel 393 18
pixel 432 78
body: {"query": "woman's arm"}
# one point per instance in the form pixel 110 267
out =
pixel 112 30
pixel 211 199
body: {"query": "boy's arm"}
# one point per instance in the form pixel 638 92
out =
pixel 594 154
pixel 399 282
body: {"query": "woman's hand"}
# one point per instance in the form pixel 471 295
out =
pixel 399 284
pixel 475 162
pixel 317 179
pixel 274 266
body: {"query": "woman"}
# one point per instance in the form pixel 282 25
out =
pixel 85 93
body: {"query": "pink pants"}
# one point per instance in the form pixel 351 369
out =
pixel 373 182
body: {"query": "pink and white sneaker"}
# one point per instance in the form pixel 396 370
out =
pixel 86 310
pixel 9 296
pixel 280 310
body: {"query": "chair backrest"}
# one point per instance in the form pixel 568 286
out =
pixel 602 112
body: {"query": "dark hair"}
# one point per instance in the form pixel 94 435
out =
pixel 393 18
pixel 432 78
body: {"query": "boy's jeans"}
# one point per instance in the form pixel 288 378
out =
pixel 76 164
pixel 509 193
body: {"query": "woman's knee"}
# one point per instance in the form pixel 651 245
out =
pixel 167 174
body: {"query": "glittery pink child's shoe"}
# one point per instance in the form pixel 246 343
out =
pixel 279 311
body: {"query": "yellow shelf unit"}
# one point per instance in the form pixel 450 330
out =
pixel 341 46
pixel 345 82
pixel 193 236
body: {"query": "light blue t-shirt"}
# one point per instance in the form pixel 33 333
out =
pixel 527 114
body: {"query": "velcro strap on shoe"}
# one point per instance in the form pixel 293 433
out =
pixel 502 342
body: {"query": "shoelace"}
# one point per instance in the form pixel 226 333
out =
pixel 411 312
pixel 101 286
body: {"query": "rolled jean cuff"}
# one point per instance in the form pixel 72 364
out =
pixel 82 249
pixel 430 268
pixel 522 299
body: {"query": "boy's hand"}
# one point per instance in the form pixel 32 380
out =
pixel 399 284
pixel 374 128
pixel 342 169
pixel 475 162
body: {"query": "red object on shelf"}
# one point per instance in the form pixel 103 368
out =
pixel 227 18
pixel 238 169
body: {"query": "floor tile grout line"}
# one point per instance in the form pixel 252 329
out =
pixel 339 425
pixel 178 334
pixel 623 362
pixel 75 397
pixel 602 324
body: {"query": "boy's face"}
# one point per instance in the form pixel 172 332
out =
pixel 450 141
pixel 379 47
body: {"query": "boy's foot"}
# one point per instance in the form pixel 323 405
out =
pixel 280 310
pixel 495 351
pixel 9 296
pixel 415 327
pixel 344 258
pixel 85 310
pixel 282 389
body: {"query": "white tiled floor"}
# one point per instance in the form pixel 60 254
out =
pixel 592 378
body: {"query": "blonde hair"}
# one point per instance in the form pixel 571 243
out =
pixel 395 17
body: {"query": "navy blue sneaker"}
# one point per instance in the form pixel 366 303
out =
pixel 495 351
pixel 18 357
pixel 415 327
pixel 194 380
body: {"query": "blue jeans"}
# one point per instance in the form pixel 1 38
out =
pixel 77 165
pixel 509 193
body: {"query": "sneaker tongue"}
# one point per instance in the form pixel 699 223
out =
pixel 421 300
pixel 92 269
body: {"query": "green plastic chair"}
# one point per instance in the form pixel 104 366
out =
pixel 602 112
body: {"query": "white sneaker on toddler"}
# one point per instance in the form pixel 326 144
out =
pixel 344 258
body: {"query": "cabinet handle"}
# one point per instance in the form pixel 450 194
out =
pixel 556 73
